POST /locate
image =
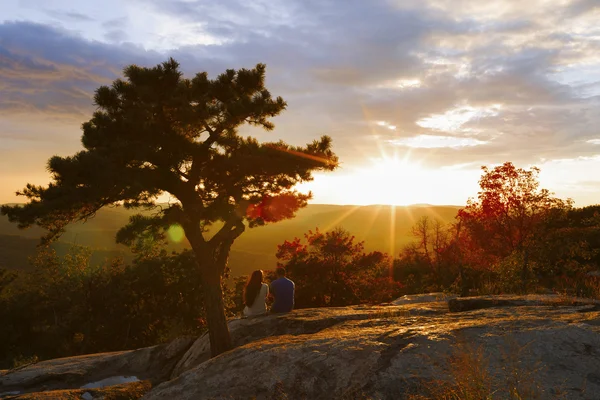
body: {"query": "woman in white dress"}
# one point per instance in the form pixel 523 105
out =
pixel 255 295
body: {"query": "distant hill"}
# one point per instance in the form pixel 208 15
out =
pixel 15 251
pixel 382 227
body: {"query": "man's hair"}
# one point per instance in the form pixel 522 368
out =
pixel 280 271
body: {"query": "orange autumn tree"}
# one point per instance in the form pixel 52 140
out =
pixel 507 218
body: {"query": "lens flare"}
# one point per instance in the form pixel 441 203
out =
pixel 175 233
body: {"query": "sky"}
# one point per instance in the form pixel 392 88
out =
pixel 416 94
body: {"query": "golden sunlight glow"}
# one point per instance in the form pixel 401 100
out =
pixel 392 232
pixel 342 217
pixel 396 181
pixel 389 178
pixel 303 155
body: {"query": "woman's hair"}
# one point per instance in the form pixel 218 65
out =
pixel 253 287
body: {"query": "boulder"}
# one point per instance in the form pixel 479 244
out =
pixel 540 347
pixel 151 363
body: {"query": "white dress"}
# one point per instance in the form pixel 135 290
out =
pixel 259 306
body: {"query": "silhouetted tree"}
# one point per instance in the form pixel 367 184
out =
pixel 433 238
pixel 571 247
pixel 156 132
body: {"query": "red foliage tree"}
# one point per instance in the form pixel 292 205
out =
pixel 507 216
pixel 331 269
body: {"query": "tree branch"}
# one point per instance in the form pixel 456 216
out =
pixel 200 154
pixel 232 229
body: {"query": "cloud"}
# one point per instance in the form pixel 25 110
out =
pixel 436 141
pixel 49 70
pixel 69 16
pixel 116 23
pixel 116 36
pixel 506 74
pixel 115 30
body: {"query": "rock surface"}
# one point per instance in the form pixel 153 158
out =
pixel 544 347
pixel 299 322
pixel 541 347
pixel 423 298
pixel 154 364
pixel 126 391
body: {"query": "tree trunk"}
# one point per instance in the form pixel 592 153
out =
pixel 332 284
pixel 210 273
pixel 218 330
pixel 525 270
pixel 464 289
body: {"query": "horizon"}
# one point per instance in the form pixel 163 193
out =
pixel 332 204
pixel 417 96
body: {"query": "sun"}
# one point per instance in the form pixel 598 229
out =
pixel 390 180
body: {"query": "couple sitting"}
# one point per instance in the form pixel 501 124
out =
pixel 256 292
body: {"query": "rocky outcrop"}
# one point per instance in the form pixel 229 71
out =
pixel 153 364
pixel 541 346
pixel 299 322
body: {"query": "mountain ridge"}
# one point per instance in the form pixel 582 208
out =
pixel 382 227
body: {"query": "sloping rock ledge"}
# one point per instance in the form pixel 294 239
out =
pixel 544 347
pixel 151 364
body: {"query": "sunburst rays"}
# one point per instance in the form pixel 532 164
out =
pixel 341 218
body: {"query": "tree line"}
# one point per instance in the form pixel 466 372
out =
pixel 514 237
pixel 518 237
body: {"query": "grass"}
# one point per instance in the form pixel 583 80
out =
pixel 22 362
pixel 471 376
pixel 561 300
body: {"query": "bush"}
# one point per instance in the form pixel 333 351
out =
pixel 63 307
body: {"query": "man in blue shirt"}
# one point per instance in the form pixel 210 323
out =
pixel 282 290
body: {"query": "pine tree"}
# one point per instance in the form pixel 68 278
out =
pixel 156 132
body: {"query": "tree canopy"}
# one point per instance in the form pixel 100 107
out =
pixel 332 269
pixel 155 133
pixel 508 216
pixel 509 208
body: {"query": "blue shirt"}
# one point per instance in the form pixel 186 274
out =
pixel 283 291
